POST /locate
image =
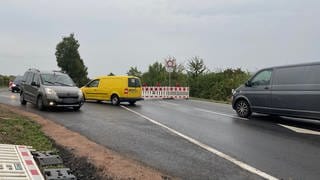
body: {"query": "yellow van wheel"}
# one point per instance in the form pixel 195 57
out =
pixel 115 100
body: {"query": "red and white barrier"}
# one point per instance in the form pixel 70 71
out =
pixel 165 92
pixel 16 162
pixel 29 163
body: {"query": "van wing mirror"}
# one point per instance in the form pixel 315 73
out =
pixel 34 84
pixel 248 84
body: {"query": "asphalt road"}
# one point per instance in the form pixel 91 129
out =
pixel 152 134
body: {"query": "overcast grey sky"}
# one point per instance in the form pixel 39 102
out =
pixel 117 34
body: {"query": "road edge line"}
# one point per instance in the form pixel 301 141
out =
pixel 220 114
pixel 208 148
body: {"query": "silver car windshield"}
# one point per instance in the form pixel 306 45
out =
pixel 56 80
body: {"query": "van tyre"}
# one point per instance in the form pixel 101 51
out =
pixel 243 108
pixel 132 103
pixel 115 100
pixel 22 101
pixel 40 103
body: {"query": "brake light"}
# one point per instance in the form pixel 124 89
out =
pixel 126 91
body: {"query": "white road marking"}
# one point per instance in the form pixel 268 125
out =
pixel 221 114
pixel 208 148
pixel 301 130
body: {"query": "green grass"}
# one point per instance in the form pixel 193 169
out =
pixel 19 130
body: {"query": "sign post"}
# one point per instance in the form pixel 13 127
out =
pixel 170 64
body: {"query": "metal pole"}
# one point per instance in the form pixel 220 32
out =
pixel 169 79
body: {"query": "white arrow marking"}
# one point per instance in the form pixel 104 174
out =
pixel 300 130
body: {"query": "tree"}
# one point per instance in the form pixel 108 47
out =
pixel 178 77
pixel 69 60
pixel 196 67
pixel 156 74
pixel 111 74
pixel 133 71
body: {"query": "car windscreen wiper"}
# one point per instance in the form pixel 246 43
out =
pixel 49 82
pixel 62 83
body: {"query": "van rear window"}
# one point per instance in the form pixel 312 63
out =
pixel 134 82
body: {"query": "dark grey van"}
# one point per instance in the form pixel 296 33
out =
pixel 50 89
pixel 292 90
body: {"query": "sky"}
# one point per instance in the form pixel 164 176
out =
pixel 117 34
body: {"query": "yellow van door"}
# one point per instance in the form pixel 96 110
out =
pixel 90 89
pixel 104 89
pixel 134 87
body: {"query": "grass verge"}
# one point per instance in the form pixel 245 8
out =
pixel 15 129
pixel 20 130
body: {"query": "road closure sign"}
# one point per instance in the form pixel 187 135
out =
pixel 170 64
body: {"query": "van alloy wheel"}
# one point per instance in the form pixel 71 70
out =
pixel 243 108
pixel 115 100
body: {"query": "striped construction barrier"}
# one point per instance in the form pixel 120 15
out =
pixel 16 162
pixel 165 92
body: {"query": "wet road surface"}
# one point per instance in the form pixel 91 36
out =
pixel 263 142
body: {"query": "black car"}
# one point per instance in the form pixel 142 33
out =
pixel 15 86
pixel 292 90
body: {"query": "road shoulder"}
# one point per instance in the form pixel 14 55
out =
pixel 111 163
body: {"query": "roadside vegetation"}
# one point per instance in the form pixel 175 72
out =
pixel 20 130
pixel 203 83
pixel 4 80
pixel 15 129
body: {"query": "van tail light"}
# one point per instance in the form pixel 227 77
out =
pixel 126 91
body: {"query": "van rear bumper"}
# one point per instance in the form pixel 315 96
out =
pixel 130 99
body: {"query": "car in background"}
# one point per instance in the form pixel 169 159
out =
pixel 10 85
pixel 15 85
pixel 114 88
pixel 50 89
pixel 292 90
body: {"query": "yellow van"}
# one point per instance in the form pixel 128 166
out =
pixel 113 88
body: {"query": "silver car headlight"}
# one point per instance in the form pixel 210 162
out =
pixel 80 94
pixel 50 92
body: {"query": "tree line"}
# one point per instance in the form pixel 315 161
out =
pixel 203 83
pixel 4 80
